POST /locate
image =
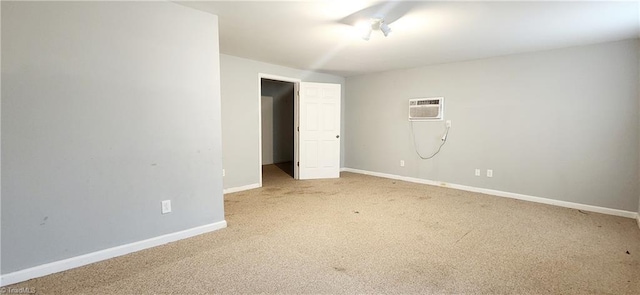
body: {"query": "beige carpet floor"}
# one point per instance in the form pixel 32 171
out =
pixel 366 235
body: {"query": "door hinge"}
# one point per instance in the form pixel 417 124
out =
pixel 298 128
pixel 298 164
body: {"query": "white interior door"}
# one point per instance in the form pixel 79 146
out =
pixel 319 138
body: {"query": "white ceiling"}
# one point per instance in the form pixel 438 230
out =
pixel 310 35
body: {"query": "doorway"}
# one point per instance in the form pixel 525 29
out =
pixel 277 126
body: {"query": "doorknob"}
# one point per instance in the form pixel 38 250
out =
pixel 337 136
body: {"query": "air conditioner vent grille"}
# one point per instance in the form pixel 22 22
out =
pixel 424 112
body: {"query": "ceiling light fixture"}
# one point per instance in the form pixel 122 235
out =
pixel 366 27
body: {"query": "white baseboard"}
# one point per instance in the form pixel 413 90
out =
pixel 578 206
pixel 240 188
pixel 73 262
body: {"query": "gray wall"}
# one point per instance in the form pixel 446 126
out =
pixel 0 142
pixel 559 124
pixel 283 126
pixel 267 130
pixel 107 109
pixel 240 109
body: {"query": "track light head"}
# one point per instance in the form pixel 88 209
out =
pixel 385 28
pixel 364 29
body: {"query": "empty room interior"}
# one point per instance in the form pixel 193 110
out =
pixel 320 147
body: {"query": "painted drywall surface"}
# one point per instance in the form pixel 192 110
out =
pixel 559 124
pixel 108 108
pixel 267 130
pixel 240 109
pixel 0 145
pixel 283 126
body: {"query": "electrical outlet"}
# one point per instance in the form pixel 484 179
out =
pixel 477 172
pixel 166 206
pixel 448 123
pixel 401 163
pixel 223 174
pixel 489 173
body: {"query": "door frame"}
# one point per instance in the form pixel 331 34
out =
pixel 296 98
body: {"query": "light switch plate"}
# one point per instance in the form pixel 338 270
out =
pixel 166 206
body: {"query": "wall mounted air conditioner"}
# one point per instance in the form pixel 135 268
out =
pixel 426 109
